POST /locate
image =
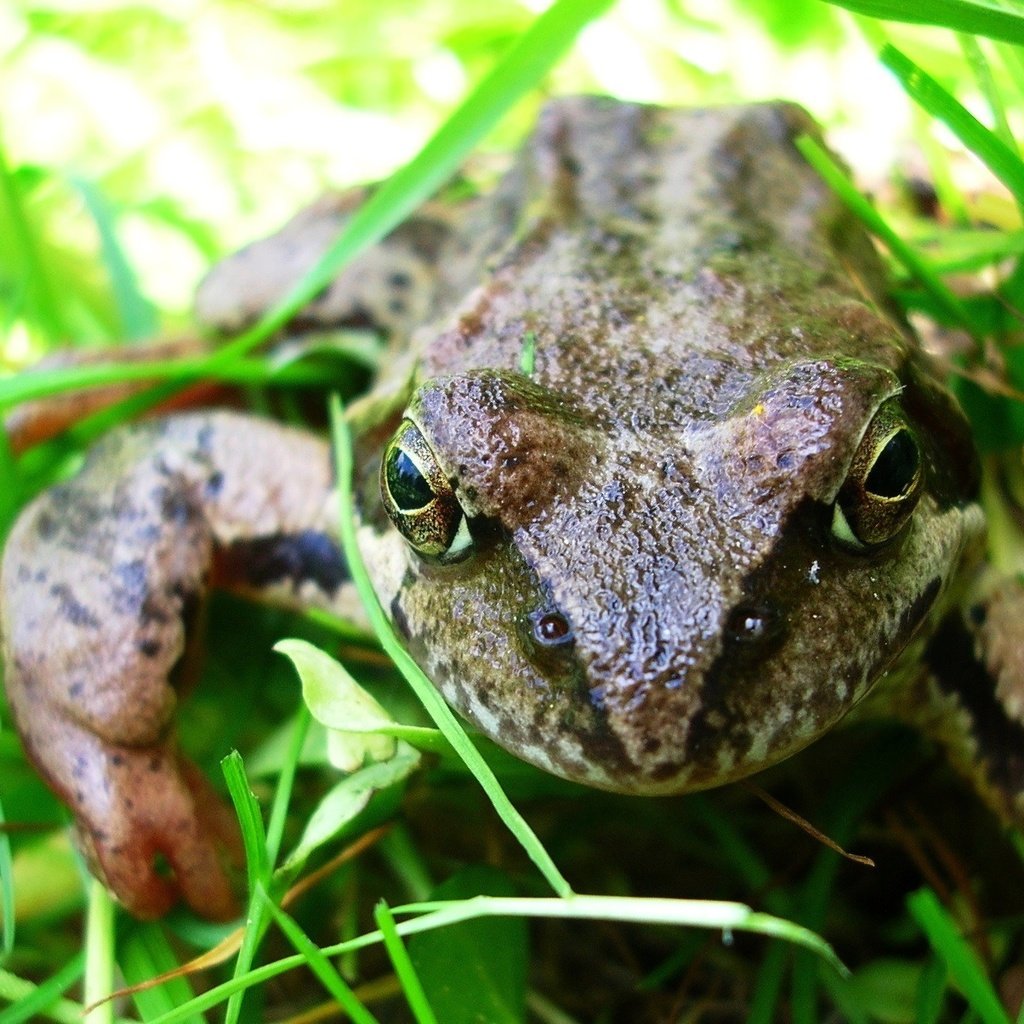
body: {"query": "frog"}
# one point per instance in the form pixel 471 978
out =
pixel 656 484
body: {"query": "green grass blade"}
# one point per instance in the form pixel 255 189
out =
pixel 136 313
pixel 438 710
pixel 960 959
pixel 1002 161
pixel 41 383
pixel 823 163
pixel 249 818
pixel 257 866
pixel 6 889
pixel 41 304
pixel 285 783
pixel 99 954
pixel 321 967
pixel 144 954
pixel 975 57
pixel 725 916
pixel 35 1002
pixel 977 16
pixel 534 54
pixel 411 985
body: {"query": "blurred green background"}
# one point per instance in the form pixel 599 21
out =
pixel 186 128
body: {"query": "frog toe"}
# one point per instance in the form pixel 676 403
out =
pixel 161 834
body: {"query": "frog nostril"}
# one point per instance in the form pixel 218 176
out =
pixel 551 629
pixel 753 624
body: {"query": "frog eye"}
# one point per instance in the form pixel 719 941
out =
pixel 883 485
pixel 419 499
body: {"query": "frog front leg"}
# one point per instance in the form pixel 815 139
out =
pixel 100 580
pixel 970 695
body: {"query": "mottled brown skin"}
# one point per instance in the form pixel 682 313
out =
pixel 652 597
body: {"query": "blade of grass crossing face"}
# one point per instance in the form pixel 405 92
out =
pixel 981 17
pixel 960 960
pixel 442 715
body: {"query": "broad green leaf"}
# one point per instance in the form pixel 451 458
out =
pixel 338 702
pixel 349 797
pixel 492 953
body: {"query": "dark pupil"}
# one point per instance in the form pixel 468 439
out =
pixel 409 490
pixel 895 468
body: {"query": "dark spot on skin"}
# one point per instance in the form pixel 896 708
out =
pixel 151 614
pixel 399 280
pixel 951 659
pixel 397 307
pixel 46 526
pixel 175 507
pixel 154 764
pixel 299 557
pixel 204 439
pixel 149 533
pixel 76 689
pixel 399 618
pixel 913 616
pixel 130 587
pixel 569 164
pixel 79 797
pixel 117 760
pixel 73 610
pixel 214 484
pixel 149 648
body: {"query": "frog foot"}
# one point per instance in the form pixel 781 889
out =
pixel 100 586
pixel 155 832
